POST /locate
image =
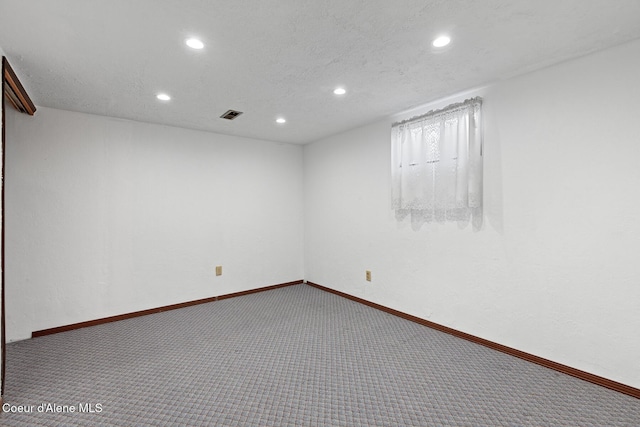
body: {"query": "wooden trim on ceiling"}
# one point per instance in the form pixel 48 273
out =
pixel 14 90
pixel 103 320
pixel 586 376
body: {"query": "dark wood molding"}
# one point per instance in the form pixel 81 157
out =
pixel 14 90
pixel 3 357
pixel 586 376
pixel 253 291
pixel 95 322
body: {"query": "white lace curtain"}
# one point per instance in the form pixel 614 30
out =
pixel 436 165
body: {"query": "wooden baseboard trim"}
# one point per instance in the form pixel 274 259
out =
pixel 586 376
pixel 95 322
pixel 253 291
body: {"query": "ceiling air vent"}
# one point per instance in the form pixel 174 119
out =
pixel 231 114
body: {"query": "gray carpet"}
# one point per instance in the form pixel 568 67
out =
pixel 294 356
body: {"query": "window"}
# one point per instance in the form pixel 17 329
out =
pixel 436 165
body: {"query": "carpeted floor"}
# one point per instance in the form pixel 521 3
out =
pixel 295 356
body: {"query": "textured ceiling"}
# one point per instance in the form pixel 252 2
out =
pixel 272 58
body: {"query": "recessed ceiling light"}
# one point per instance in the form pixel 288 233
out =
pixel 163 97
pixel 281 120
pixel 441 41
pixel 340 91
pixel 194 43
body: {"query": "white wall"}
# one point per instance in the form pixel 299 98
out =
pixel 554 271
pixel 108 216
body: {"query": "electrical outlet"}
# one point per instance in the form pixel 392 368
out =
pixel 219 270
pixel 368 275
